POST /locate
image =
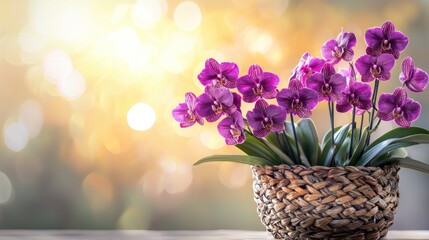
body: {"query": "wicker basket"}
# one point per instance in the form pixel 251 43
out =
pixel 296 202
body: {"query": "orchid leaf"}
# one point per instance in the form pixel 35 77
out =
pixel 357 153
pixel 396 153
pixel 309 140
pixel 251 160
pixel 391 144
pixel 278 152
pixel 406 162
pixel 329 151
pixel 398 133
pixel 253 147
pixel 327 138
pixel 341 156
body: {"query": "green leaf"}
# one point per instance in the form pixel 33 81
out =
pixel 342 154
pixel 357 153
pixel 251 160
pixel 398 133
pixel 278 152
pixel 272 138
pixel 327 138
pixel 309 140
pixel 406 162
pixel 253 147
pixel 329 151
pixel 396 153
pixel 391 144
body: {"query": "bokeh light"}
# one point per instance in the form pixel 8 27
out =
pixel 16 136
pixel 146 13
pixel 141 117
pixel 72 85
pixel 187 16
pixel 5 188
pixel 31 115
pixel 57 64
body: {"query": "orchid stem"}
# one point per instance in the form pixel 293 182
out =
pixel 353 131
pixel 288 145
pixel 296 139
pixel 361 125
pixel 331 116
pixel 374 100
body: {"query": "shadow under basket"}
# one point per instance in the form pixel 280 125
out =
pixel 296 202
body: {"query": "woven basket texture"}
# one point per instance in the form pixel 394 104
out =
pixel 296 202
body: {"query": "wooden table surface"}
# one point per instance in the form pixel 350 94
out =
pixel 165 235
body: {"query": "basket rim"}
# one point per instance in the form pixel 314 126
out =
pixel 318 167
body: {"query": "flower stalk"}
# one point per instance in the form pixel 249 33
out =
pixel 352 133
pixel 288 144
pixel 296 139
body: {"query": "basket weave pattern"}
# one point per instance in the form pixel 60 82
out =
pixel 296 202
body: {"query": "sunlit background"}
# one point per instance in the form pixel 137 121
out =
pixel 87 89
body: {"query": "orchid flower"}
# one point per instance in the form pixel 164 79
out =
pixel 224 74
pixel 398 107
pixel 266 118
pixel 414 78
pixel 385 39
pixel 185 113
pixel 257 84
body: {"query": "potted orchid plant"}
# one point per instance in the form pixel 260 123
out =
pixel 343 185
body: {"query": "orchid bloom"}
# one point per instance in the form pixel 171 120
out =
pixel 224 74
pixel 328 84
pixel 341 48
pixel 385 39
pixel 185 113
pixel 414 78
pixel 357 95
pixel 257 84
pixel 297 99
pixel 214 103
pixel 371 68
pixel 232 128
pixel 306 67
pixel 266 118
pixel 398 107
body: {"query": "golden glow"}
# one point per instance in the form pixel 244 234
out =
pixel 57 64
pixel 72 85
pixel 141 117
pixel 146 13
pixel 187 16
pixel 88 88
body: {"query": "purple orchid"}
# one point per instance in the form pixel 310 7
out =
pixel 266 118
pixel 306 67
pixel 357 95
pixel 237 101
pixel 414 78
pixel 232 129
pixel 185 113
pixel 297 99
pixel 214 103
pixel 328 84
pixel 385 40
pixel 398 107
pixel 224 74
pixel 341 48
pixel 371 67
pixel 257 84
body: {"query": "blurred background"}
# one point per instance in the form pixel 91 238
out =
pixel 87 89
